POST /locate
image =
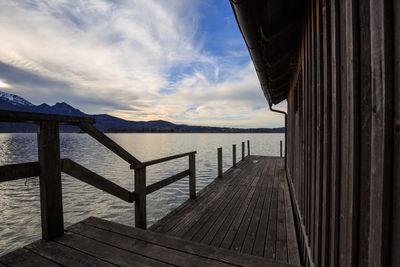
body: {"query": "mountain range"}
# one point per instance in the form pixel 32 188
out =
pixel 104 122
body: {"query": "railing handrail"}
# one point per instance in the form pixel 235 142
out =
pixel 109 143
pixel 50 166
pixel 18 116
pixel 161 160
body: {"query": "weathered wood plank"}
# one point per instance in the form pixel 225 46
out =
pixel 200 227
pixel 259 242
pixel 51 208
pixel 144 248
pixel 25 258
pixel 281 235
pixel 214 225
pixel 64 255
pixel 192 176
pixel 244 225
pixel 248 243
pixel 106 252
pixel 140 201
pixel 19 171
pixel 109 143
pixel 293 249
pixel 191 215
pixel 160 184
pixel 270 242
pixel 219 161
pixel 235 212
pixel 16 116
pixel 161 160
pixel 85 175
pixel 199 249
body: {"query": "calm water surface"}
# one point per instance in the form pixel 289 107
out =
pixel 19 200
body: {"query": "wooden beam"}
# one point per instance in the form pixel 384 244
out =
pixel 50 180
pixel 140 203
pixel 16 116
pixel 234 155
pixel 160 160
pixel 192 176
pixel 248 147
pixel 160 184
pixel 109 143
pixel 19 171
pixel 85 175
pixel 242 150
pixel 220 162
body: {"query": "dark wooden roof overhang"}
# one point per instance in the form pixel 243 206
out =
pixel 271 30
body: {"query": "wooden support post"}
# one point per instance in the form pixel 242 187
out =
pixel 248 147
pixel 242 150
pixel 192 176
pixel 281 147
pixel 220 162
pixel 50 180
pixel 140 200
pixel 234 155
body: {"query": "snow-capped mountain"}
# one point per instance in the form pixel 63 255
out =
pixel 14 99
pixel 104 122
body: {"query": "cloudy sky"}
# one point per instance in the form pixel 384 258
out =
pixel 183 61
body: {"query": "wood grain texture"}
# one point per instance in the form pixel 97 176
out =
pixel 245 211
pixel 85 175
pixel 19 171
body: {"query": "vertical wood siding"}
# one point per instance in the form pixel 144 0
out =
pixel 341 135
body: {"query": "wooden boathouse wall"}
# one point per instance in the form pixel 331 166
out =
pixel 343 134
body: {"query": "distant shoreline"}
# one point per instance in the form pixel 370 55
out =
pixel 157 132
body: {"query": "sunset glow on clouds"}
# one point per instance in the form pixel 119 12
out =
pixel 178 60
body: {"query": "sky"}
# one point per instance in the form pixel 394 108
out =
pixel 184 61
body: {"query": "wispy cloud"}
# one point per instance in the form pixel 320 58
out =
pixel 140 60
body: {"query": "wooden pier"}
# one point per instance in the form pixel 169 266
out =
pixel 243 218
pixel 248 210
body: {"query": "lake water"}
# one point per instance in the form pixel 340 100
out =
pixel 19 200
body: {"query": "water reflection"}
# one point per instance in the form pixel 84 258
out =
pixel 19 200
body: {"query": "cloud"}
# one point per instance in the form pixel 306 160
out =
pixel 138 59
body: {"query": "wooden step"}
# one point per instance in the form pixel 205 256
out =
pixel 97 242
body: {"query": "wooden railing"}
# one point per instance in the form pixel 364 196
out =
pixel 219 156
pixel 50 166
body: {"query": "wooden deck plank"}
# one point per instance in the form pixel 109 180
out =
pixel 254 223
pixel 259 243
pixel 206 193
pixel 223 255
pixel 183 219
pixel 281 238
pixel 146 249
pixel 270 242
pixel 64 255
pixel 251 181
pixel 227 203
pixel 242 231
pixel 25 258
pixel 293 249
pixel 106 252
pixel 226 218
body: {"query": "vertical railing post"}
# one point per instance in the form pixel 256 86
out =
pixel 242 150
pixel 192 176
pixel 234 155
pixel 51 207
pixel 248 147
pixel 281 147
pixel 220 162
pixel 140 200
